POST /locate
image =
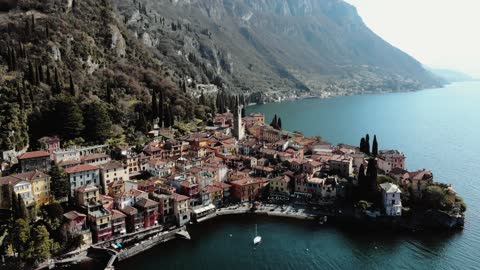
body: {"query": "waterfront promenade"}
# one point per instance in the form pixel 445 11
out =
pixel 287 211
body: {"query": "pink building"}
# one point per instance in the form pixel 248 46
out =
pixel 390 159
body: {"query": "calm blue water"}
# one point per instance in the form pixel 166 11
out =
pixel 437 129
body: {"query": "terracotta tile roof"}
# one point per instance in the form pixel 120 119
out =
pixel 146 203
pixel 87 188
pixel 117 214
pixel 26 176
pixel 128 210
pixel 81 168
pixel 34 154
pixel 179 197
pixel 73 215
pixel 112 165
pixel 212 189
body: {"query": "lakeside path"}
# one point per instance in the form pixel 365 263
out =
pixel 288 211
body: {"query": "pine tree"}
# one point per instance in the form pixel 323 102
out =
pixel 375 146
pixel 72 86
pixel 42 244
pixel 69 118
pixel 97 122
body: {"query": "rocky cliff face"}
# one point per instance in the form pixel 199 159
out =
pixel 292 47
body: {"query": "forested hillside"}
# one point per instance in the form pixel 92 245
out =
pixel 71 68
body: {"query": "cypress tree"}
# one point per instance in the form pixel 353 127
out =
pixel 172 116
pixel 72 86
pixel 40 73
pixel 375 146
pixel 33 23
pixel 58 88
pixel 367 144
pixel 279 123
pixel 9 59
pixel 31 73
pixel 371 176
pixel 154 105
pixel 22 209
pixel 20 99
pixel 109 94
pixel 362 145
pixel 27 28
pixel 14 205
pixel 14 59
pixel 202 99
pixel 161 109
pixel 32 100
pixel 49 78
pixel 274 122
pixel 243 112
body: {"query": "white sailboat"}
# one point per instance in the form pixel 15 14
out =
pixel 257 238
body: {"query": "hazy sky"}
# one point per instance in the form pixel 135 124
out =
pixel 438 33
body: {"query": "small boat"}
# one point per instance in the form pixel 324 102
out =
pixel 257 238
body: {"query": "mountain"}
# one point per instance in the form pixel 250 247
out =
pixel 276 47
pixel 451 75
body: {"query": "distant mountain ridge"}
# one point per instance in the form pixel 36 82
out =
pixel 451 75
pixel 273 46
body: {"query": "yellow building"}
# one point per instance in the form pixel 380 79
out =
pixel 40 185
pixel 280 185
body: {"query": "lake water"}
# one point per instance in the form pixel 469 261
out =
pixel 438 129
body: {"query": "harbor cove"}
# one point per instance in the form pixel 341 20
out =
pixel 435 129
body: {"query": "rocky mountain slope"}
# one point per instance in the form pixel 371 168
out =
pixel 295 47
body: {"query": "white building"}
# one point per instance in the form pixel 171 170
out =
pixel 238 125
pixel 82 175
pixel 159 168
pixel 391 199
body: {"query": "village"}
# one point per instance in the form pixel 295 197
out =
pixel 117 192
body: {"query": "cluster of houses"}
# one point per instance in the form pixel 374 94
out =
pixel 236 160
